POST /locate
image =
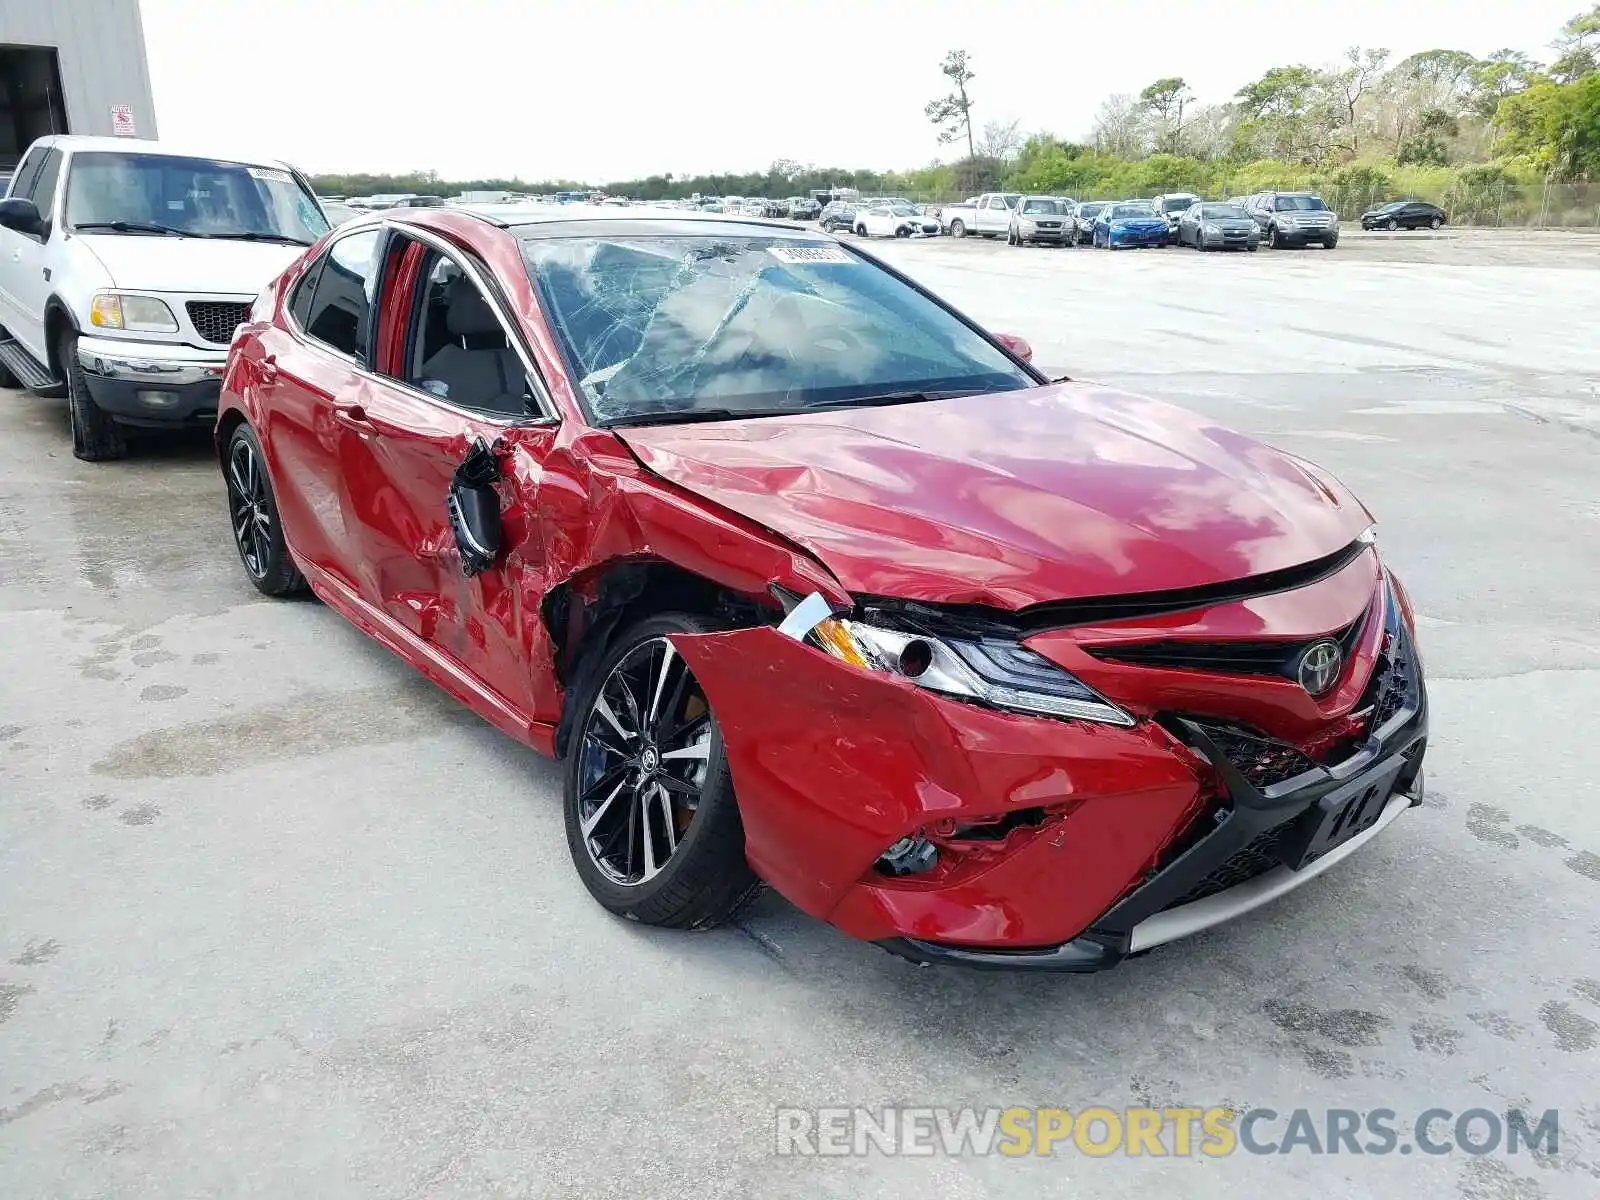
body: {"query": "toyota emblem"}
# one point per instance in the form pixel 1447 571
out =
pixel 1319 667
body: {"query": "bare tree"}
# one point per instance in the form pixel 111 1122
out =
pixel 1001 139
pixel 1363 68
pixel 952 113
pixel 1119 126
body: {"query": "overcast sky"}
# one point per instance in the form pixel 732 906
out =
pixel 610 89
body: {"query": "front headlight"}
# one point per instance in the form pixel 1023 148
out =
pixel 143 314
pixel 1210 228
pixel 991 671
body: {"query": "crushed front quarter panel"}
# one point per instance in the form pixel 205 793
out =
pixel 832 764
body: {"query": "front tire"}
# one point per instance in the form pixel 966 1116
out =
pixel 95 436
pixel 253 516
pixel 652 822
pixel 1391 225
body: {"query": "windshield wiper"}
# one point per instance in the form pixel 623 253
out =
pixel 134 227
pixel 246 235
pixel 677 416
pixel 883 399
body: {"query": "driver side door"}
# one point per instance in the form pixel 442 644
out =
pixel 450 374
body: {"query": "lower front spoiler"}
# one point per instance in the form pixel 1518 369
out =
pixel 1098 949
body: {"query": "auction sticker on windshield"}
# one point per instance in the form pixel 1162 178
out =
pixel 809 254
pixel 268 175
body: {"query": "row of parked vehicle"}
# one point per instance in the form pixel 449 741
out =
pixel 1280 219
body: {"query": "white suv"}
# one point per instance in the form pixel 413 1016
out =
pixel 125 267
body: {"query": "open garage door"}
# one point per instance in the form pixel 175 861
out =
pixel 31 102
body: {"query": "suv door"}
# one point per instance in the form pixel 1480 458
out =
pixel 453 373
pixel 12 246
pixel 28 263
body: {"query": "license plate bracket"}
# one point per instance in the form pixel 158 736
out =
pixel 1340 815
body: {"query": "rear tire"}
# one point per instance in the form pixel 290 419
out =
pixel 703 879
pixel 95 436
pixel 253 517
pixel 958 229
pixel 1435 223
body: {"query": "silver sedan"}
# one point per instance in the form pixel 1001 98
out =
pixel 1218 227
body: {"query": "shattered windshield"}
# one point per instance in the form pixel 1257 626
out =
pixel 661 325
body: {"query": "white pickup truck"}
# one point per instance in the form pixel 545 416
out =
pixel 988 214
pixel 125 267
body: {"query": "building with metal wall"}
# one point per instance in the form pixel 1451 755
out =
pixel 71 66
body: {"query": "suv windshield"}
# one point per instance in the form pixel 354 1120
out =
pixel 1174 204
pixel 1040 206
pixel 200 197
pixel 679 325
pixel 1299 204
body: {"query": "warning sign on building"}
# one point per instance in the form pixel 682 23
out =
pixel 122 120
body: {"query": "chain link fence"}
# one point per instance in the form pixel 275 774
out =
pixel 1493 205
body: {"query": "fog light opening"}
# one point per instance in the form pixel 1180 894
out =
pixel 909 856
pixel 159 399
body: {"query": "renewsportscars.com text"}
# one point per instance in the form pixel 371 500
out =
pixel 1160 1132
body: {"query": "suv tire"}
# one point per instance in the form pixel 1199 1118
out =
pixel 95 436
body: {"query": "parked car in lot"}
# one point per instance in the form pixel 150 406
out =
pixel 1130 223
pixel 804 208
pixel 838 215
pixel 1212 226
pixel 1084 214
pixel 1294 219
pixel 894 220
pixel 988 214
pixel 1404 214
pixel 1038 219
pixel 125 267
pixel 1174 205
pixel 1120 677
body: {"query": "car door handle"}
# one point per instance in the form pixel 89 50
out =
pixel 354 416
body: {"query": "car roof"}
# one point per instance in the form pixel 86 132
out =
pixel 578 220
pixel 125 145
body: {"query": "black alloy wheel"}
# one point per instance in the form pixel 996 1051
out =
pixel 652 821
pixel 253 514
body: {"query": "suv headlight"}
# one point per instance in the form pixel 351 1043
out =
pixel 143 314
pixel 992 671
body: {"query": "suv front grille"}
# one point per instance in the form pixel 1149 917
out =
pixel 215 320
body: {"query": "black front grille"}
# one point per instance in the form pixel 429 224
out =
pixel 1226 658
pixel 1395 682
pixel 215 320
pixel 1262 760
pixel 1258 857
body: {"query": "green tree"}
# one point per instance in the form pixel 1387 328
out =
pixel 1578 46
pixel 1165 99
pixel 1288 112
pixel 1557 125
pixel 951 114
pixel 1504 73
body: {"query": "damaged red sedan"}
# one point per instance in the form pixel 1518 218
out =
pixel 811 581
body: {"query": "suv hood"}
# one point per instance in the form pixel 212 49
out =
pixel 1014 498
pixel 152 263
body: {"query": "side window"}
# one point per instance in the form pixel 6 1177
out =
pixel 22 181
pixel 300 302
pixel 456 347
pixel 44 187
pixel 340 312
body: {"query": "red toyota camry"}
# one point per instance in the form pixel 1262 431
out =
pixel 812 581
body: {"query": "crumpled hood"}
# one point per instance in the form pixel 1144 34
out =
pixel 148 263
pixel 1014 498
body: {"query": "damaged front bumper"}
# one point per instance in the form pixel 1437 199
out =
pixel 1062 845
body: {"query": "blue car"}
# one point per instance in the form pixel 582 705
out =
pixel 1129 224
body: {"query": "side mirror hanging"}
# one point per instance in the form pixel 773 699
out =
pixel 474 509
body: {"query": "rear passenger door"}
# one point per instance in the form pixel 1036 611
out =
pixel 312 380
pixel 452 372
